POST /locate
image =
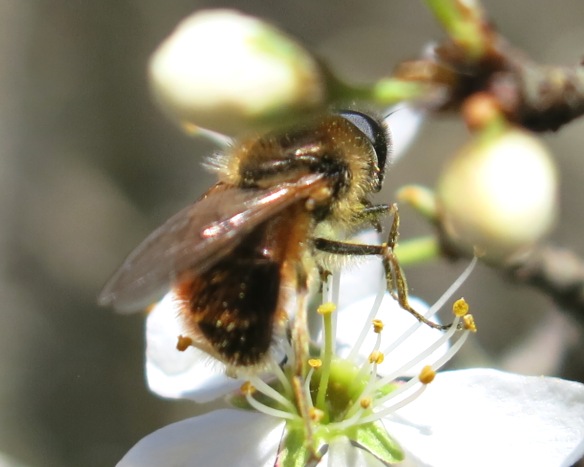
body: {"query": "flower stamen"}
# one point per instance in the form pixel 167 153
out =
pixel 460 307
pixel 365 402
pixel 435 307
pixel 281 376
pixel 334 394
pixel 314 363
pixel 397 405
pixel 427 375
pixel 377 326
pixel 264 388
pixel 330 294
pixel 326 310
pixel 370 318
pixel 266 409
pixel 425 353
pixel 469 323
pixel 453 350
pixel 247 388
pixel 376 357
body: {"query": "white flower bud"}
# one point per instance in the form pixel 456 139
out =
pixel 499 194
pixel 229 72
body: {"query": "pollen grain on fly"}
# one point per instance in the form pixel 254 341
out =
pixel 183 343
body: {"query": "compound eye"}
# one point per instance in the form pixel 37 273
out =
pixel 375 132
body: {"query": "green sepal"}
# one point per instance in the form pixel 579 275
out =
pixel 293 451
pixel 238 401
pixel 373 437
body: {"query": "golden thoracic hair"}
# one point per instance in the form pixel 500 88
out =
pixel 349 148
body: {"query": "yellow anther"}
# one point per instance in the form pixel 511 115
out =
pixel 315 363
pixel 365 402
pixel 460 307
pixel 326 308
pixel 427 375
pixel 377 326
pixel 247 388
pixel 183 343
pixel 469 323
pixel 376 357
pixel 316 415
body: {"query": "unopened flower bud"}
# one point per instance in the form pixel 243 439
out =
pixel 228 72
pixel 499 194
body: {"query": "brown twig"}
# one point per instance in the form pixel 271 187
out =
pixel 555 271
pixel 537 97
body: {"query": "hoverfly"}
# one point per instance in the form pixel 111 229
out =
pixel 236 257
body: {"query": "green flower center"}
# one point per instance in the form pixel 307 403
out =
pixel 343 389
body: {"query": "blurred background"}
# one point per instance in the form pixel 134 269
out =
pixel 89 166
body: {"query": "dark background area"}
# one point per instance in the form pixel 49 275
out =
pixel 89 166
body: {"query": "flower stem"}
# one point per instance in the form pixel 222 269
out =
pixel 464 23
pixel 386 91
pixel 418 250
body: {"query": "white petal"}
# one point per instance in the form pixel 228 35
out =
pixel 405 122
pixel 396 321
pixel 487 417
pixel 342 453
pixel 171 373
pixel 364 276
pixel 222 437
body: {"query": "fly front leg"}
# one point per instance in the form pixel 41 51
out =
pixel 394 277
pixel 373 213
pixel 398 288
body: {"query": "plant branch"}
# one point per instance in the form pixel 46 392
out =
pixel 557 272
pixel 476 58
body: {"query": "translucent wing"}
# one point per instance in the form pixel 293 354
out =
pixel 196 238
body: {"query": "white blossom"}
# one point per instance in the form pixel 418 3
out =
pixel 476 417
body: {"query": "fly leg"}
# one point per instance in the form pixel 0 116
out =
pixel 394 277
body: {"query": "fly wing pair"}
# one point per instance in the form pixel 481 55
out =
pixel 197 237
